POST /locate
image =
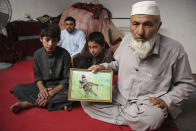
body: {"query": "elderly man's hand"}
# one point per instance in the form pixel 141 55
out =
pixel 96 68
pixel 156 101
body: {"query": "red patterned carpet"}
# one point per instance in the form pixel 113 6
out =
pixel 37 119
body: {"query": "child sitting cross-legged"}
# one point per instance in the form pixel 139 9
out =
pixel 51 71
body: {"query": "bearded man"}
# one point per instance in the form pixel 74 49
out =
pixel 154 75
pixel 72 39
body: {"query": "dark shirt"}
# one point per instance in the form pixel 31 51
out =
pixel 85 59
pixel 54 68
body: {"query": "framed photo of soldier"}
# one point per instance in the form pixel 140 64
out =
pixel 87 86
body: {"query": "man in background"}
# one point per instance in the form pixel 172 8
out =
pixel 72 39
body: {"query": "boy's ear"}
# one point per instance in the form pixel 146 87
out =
pixel 40 38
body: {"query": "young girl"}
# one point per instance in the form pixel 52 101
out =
pixel 97 52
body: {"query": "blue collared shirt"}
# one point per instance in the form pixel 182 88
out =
pixel 72 42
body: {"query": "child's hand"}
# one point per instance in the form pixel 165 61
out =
pixel 51 92
pixel 42 102
pixel 43 94
pixel 96 68
pixel 48 89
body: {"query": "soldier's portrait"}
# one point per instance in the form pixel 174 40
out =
pixel 87 86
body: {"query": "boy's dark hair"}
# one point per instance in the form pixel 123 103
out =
pixel 96 37
pixel 70 19
pixel 51 30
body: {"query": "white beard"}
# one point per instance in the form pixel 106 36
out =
pixel 142 49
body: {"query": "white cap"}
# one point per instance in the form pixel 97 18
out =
pixel 145 7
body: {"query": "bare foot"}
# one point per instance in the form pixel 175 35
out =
pixel 68 108
pixel 18 106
